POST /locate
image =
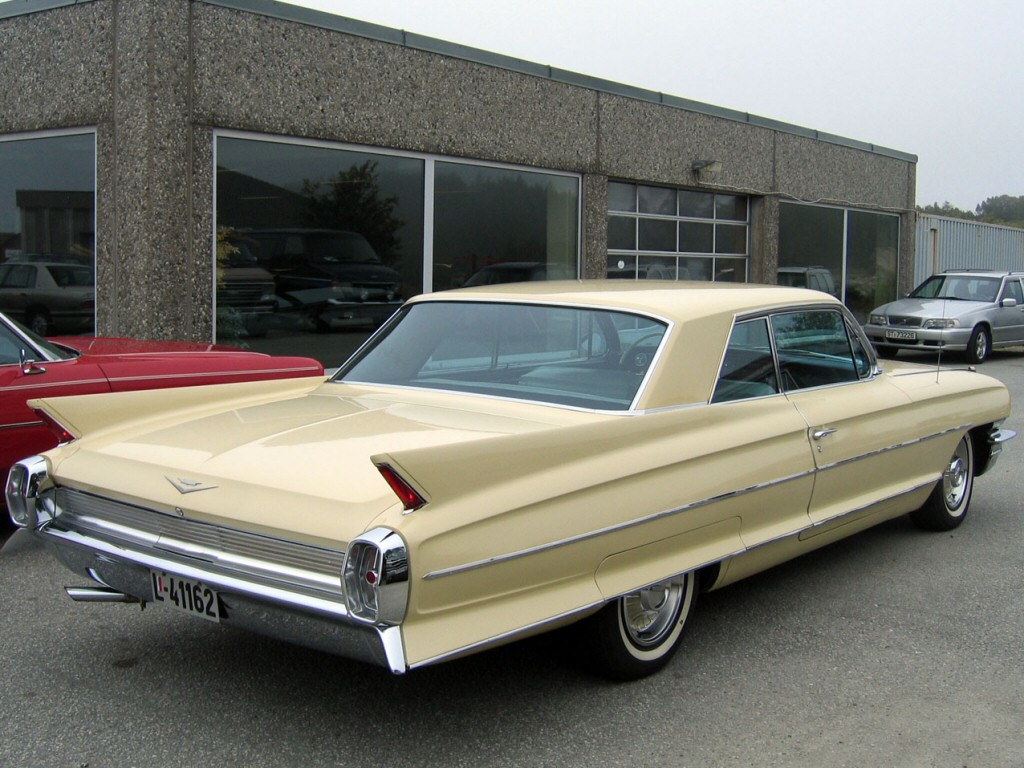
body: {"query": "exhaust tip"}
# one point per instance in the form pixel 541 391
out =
pixel 99 595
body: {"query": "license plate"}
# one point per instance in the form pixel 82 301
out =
pixel 901 335
pixel 187 595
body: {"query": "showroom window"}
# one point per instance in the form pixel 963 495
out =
pixel 677 234
pixel 317 244
pixel 850 254
pixel 500 225
pixel 48 221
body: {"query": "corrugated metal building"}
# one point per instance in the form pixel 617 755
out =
pixel 944 243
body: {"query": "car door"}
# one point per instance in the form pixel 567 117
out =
pixel 769 459
pixel 22 433
pixel 859 426
pixel 1008 321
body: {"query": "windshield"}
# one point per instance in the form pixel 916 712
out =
pixel 958 287
pixel 17 341
pixel 582 357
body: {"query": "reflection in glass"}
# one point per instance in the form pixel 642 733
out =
pixel 872 249
pixel 621 197
pixel 818 246
pixel 730 238
pixel 313 239
pixel 622 233
pixel 697 227
pixel 696 237
pixel 657 200
pixel 622 266
pixel 731 207
pixel 503 225
pixel 810 236
pixel 694 268
pixel 654 268
pixel 657 235
pixel 730 270
pixel 47 228
pixel 696 205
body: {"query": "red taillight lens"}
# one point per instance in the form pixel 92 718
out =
pixel 62 433
pixel 408 495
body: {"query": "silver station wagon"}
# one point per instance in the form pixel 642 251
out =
pixel 970 311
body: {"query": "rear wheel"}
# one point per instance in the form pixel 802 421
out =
pixel 947 505
pixel 636 634
pixel 979 346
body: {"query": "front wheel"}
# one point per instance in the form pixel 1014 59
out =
pixel 39 323
pixel 947 505
pixel 979 346
pixel 636 634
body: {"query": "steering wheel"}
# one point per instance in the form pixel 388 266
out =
pixel 635 357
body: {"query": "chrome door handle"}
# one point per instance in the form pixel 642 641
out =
pixel 820 433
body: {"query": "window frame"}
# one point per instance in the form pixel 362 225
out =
pixel 631 258
pixel 861 353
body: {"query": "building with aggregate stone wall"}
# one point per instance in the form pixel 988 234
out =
pixel 220 138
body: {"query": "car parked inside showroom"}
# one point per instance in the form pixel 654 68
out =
pixel 31 366
pixel 969 311
pixel 49 296
pixel 503 460
pixel 332 277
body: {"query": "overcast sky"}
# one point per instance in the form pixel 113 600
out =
pixel 936 78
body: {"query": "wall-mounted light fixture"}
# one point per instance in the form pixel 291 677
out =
pixel 706 170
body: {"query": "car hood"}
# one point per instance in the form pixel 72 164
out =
pixel 297 467
pixel 932 307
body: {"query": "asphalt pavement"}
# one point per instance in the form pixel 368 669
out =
pixel 892 648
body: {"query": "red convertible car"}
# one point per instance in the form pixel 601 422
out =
pixel 32 367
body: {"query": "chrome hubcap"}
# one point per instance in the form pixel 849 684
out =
pixel 650 614
pixel 954 480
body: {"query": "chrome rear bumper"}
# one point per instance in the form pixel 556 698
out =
pixel 122 575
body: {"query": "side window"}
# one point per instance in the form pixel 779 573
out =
pixel 815 350
pixel 20 276
pixel 748 369
pixel 862 358
pixel 1013 291
pixel 10 347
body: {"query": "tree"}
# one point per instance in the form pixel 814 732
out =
pixel 1004 209
pixel 352 201
pixel 946 209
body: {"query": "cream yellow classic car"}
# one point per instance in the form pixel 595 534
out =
pixel 503 460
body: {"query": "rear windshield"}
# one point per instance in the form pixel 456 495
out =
pixel 588 358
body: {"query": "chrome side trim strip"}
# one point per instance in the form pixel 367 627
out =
pixel 22 424
pixel 481 644
pixel 611 528
pixel 896 447
pixel 496 559
pixel 210 375
pixel 856 511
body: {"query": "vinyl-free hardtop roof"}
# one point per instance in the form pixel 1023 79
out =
pixel 678 302
pixel 701 315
